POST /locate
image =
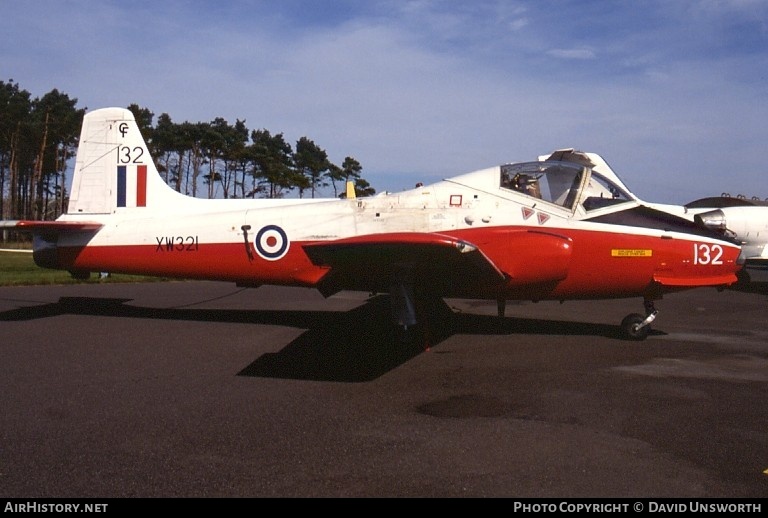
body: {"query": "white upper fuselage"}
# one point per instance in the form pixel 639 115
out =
pixel 470 201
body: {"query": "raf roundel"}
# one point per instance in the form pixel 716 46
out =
pixel 271 242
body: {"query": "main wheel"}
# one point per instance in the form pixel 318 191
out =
pixel 631 330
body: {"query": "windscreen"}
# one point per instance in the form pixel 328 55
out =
pixel 551 181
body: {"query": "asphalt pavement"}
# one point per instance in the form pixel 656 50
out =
pixel 203 389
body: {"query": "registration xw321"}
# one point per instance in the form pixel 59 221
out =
pixel 177 244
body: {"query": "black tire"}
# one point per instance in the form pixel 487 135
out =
pixel 630 330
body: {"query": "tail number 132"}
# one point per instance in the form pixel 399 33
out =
pixel 707 254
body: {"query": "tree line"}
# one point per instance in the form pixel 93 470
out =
pixel 39 136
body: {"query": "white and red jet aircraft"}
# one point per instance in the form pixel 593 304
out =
pixel 562 227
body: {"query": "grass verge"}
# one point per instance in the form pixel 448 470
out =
pixel 17 268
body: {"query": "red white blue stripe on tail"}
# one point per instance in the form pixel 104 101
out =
pixel 132 186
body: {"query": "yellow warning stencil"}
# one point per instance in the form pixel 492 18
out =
pixel 631 252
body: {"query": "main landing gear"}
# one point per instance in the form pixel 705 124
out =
pixel 636 326
pixel 420 317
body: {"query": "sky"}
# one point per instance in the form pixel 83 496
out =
pixel 673 94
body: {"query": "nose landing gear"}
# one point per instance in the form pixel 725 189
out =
pixel 635 326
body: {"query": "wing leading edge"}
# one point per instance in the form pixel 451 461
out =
pixel 50 227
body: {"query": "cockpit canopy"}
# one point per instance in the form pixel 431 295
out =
pixel 562 183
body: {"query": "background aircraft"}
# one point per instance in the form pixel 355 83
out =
pixel 563 227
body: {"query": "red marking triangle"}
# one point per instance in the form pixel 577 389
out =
pixel 542 218
pixel 527 213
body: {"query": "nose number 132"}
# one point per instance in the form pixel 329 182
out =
pixel 707 254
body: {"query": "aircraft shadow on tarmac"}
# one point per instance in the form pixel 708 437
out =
pixel 353 346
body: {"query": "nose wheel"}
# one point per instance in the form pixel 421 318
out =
pixel 635 326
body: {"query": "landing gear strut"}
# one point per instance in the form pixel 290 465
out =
pixel 419 316
pixel 635 326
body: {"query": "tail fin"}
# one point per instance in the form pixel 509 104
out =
pixel 114 170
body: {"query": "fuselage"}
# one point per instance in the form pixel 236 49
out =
pixel 545 249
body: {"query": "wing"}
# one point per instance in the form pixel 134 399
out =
pixel 50 228
pixel 437 262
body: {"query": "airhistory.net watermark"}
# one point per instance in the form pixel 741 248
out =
pixel 48 507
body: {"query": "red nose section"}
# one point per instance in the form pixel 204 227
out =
pixel 691 263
